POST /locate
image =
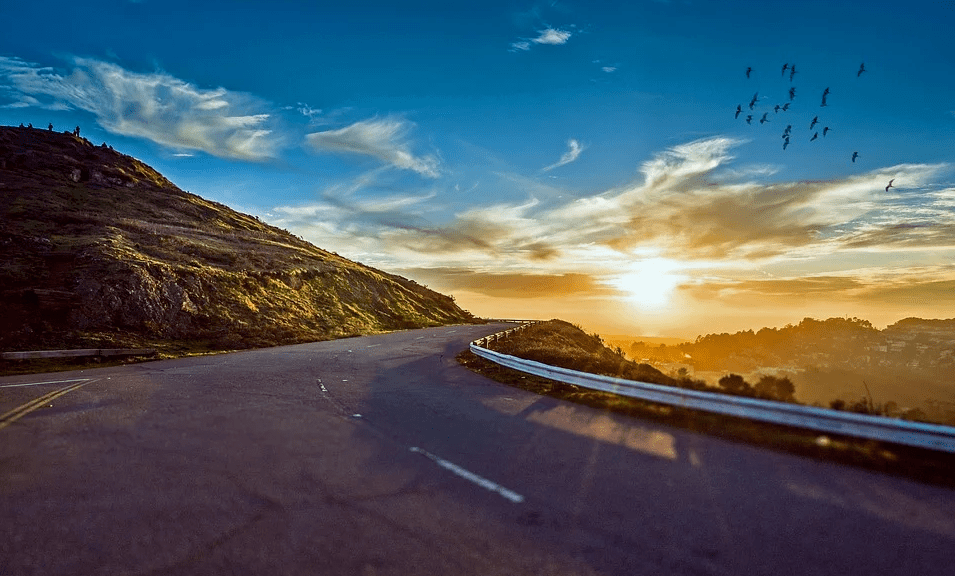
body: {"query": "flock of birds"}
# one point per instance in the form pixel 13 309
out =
pixel 787 133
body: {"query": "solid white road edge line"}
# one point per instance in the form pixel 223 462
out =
pixel 468 475
pixel 50 382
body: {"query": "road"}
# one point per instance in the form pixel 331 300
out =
pixel 381 455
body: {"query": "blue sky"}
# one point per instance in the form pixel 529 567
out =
pixel 550 159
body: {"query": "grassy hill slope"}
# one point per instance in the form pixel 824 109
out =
pixel 98 249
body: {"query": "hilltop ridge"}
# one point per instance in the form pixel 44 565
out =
pixel 99 249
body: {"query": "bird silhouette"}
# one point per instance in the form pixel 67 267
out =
pixel 753 101
pixel 739 108
pixel 785 67
pixel 764 120
pixel 826 91
pixel 814 136
pixel 854 156
pixel 749 119
pixel 786 107
pixel 814 122
pixel 890 185
pixel 787 131
pixel 823 105
pixel 786 143
pixel 749 71
pixel 861 70
pixel 792 93
pixel 792 72
pixel 776 108
pixel 825 131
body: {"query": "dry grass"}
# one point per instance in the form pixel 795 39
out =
pixel 123 258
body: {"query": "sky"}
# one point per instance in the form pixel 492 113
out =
pixel 561 159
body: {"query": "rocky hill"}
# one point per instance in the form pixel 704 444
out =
pixel 98 249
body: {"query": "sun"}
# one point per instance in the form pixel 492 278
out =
pixel 649 283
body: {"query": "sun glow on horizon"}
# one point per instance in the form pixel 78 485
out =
pixel 649 283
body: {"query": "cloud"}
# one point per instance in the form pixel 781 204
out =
pixel 573 152
pixel 384 139
pixel 888 285
pixel 154 106
pixel 609 69
pixel 306 110
pixel 714 225
pixel 682 210
pixel 552 36
pixel 547 36
pixel 349 215
pixel 511 284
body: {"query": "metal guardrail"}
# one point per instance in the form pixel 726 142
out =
pixel 931 436
pixel 103 352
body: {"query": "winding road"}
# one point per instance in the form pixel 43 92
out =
pixel 381 455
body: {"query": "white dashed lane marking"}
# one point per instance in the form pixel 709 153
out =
pixel 471 476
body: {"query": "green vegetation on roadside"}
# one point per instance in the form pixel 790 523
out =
pixel 559 343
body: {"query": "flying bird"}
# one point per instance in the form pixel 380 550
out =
pixel 854 156
pixel 814 136
pixel 776 108
pixel 861 70
pixel 749 119
pixel 792 93
pixel 785 67
pixel 753 101
pixel 787 131
pixel 823 105
pixel 826 91
pixel 763 120
pixel 814 122
pixel 792 72
pixel 749 71
pixel 786 107
pixel 825 131
pixel 890 185
pixel 739 108
pixel 786 143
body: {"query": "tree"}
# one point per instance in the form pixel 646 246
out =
pixel 735 384
pixel 775 388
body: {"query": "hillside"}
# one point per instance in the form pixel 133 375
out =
pixel 563 344
pixel 98 249
pixel 910 363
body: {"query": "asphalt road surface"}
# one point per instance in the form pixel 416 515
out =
pixel 381 455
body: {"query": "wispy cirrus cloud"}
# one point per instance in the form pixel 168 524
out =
pixel 547 36
pixel 710 226
pixel 154 106
pixel 574 148
pixel 384 139
pixel 681 210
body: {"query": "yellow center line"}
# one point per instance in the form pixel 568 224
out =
pixel 21 411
